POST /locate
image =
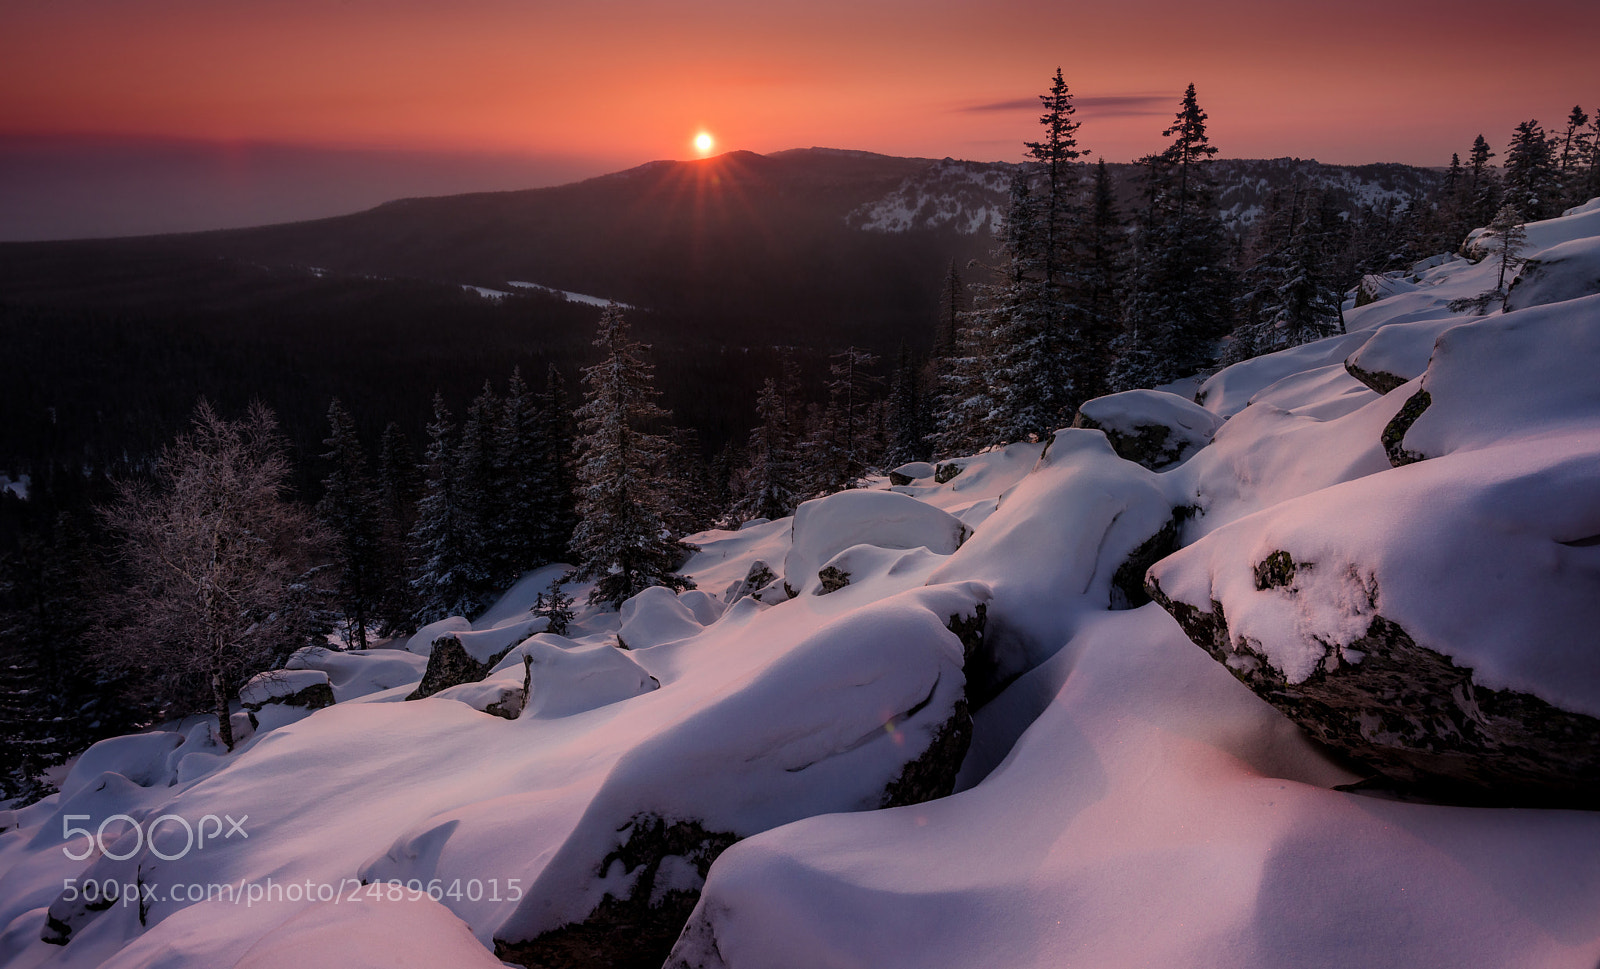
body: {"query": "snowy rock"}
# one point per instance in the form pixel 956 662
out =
pixel 566 680
pixel 1570 270
pixel 421 642
pixel 503 694
pixel 295 688
pixel 451 664
pixel 363 672
pixel 909 473
pixel 1435 622
pixel 824 527
pixel 1524 373
pixel 1396 354
pixel 375 933
pixel 656 616
pixel 1149 427
pixel 1375 287
pixel 868 710
pixel 1229 391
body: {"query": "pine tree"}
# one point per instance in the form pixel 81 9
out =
pixel 767 489
pixel 845 445
pixel 1104 265
pixel 478 479
pixel 559 483
pixel 450 575
pixel 1532 183
pixel 621 539
pixel 1181 289
pixel 1055 155
pixel 521 470
pixel 1510 238
pixel 1483 186
pixel 399 488
pixel 350 509
pixel 1574 156
pixel 907 413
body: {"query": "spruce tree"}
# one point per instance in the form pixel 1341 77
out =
pixel 450 575
pixel 1181 288
pixel 1532 183
pixel 908 424
pixel 558 483
pixel 1055 154
pixel 478 480
pixel 767 490
pixel 521 470
pixel 1483 185
pixel 399 488
pixel 350 509
pixel 1104 265
pixel 1574 157
pixel 621 539
pixel 1509 240
pixel 847 433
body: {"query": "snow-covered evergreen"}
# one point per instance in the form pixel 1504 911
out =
pixel 621 541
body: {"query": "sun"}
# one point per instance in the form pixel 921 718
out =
pixel 703 142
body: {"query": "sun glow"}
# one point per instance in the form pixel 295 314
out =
pixel 703 143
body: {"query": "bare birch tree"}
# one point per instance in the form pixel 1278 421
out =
pixel 222 570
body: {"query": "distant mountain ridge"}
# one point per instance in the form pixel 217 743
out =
pixel 971 197
pixel 820 245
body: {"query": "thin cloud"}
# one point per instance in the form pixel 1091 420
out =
pixel 1102 106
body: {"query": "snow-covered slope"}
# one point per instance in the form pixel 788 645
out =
pixel 937 724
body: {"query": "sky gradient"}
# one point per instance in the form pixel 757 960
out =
pixel 511 93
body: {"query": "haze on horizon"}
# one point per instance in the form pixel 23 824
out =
pixel 119 117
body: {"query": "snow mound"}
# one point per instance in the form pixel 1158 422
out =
pixel 1528 372
pixel 281 685
pixel 360 673
pixel 421 642
pixel 1397 353
pixel 1569 270
pixel 566 679
pixel 1229 391
pixel 824 527
pixel 1150 427
pixel 655 616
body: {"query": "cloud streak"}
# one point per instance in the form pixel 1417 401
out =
pixel 1103 106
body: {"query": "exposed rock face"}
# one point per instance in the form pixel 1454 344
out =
pixel 1376 380
pixel 1395 433
pixel 946 472
pixel 1413 715
pixel 451 665
pixel 637 930
pixel 833 579
pixel 759 577
pixel 1127 584
pixel 933 775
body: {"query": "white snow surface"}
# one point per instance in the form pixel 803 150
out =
pixel 1125 801
pixel 280 684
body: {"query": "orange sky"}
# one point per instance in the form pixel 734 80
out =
pixel 618 82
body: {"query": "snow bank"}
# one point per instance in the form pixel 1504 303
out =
pixel 824 527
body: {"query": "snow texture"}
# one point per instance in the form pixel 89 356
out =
pixel 1125 801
